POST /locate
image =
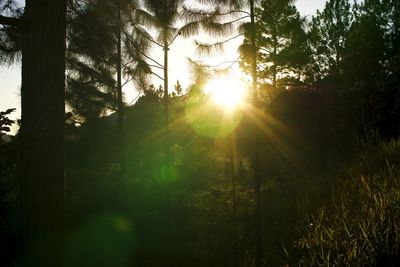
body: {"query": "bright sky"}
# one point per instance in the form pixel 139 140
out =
pixel 10 78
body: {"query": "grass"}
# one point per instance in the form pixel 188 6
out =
pixel 361 225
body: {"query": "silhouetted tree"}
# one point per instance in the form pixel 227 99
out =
pixel 5 122
pixel 106 46
pixel 280 40
pixel 164 16
pixel 10 32
pixel 364 52
pixel 219 23
pixel 328 35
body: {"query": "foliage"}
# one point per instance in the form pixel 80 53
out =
pixel 93 55
pixel 5 122
pixel 10 35
pixel 281 42
pixel 328 35
pixel 9 210
pixel 10 213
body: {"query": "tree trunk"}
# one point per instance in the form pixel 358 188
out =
pixel 231 143
pixel 396 26
pixel 168 161
pixel 121 113
pixel 256 156
pixel 254 53
pixel 274 68
pixel 166 92
pixel 41 166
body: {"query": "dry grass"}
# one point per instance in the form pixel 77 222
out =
pixel 361 226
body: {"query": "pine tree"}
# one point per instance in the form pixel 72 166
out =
pixel 226 17
pixel 106 46
pixel 328 34
pixel 280 38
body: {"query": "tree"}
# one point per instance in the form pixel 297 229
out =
pixel 279 40
pixel 369 66
pixel 363 53
pixel 106 52
pixel 386 14
pixel 216 22
pixel 10 33
pixel 164 16
pixel 91 85
pixel 41 167
pixel 328 34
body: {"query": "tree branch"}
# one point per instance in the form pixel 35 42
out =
pixel 232 12
pixel 158 76
pixel 152 60
pixel 236 20
pixel 204 48
pixel 231 63
pixel 156 66
pixel 127 81
pixel 148 38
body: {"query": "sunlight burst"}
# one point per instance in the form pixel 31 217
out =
pixel 227 92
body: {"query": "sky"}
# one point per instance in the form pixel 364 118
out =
pixel 10 77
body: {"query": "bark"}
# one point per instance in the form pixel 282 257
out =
pixel 166 92
pixel 231 144
pixel 256 156
pixel 41 166
pixel 396 26
pixel 254 53
pixel 274 67
pixel 168 161
pixel 121 113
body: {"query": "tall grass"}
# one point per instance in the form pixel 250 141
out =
pixel 361 225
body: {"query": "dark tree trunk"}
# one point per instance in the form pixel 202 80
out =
pixel 396 26
pixel 168 159
pixel 166 92
pixel 231 144
pixel 121 113
pixel 41 166
pixel 274 67
pixel 256 155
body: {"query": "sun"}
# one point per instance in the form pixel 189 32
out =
pixel 227 92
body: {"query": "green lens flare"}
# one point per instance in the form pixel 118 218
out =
pixel 168 174
pixel 103 241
